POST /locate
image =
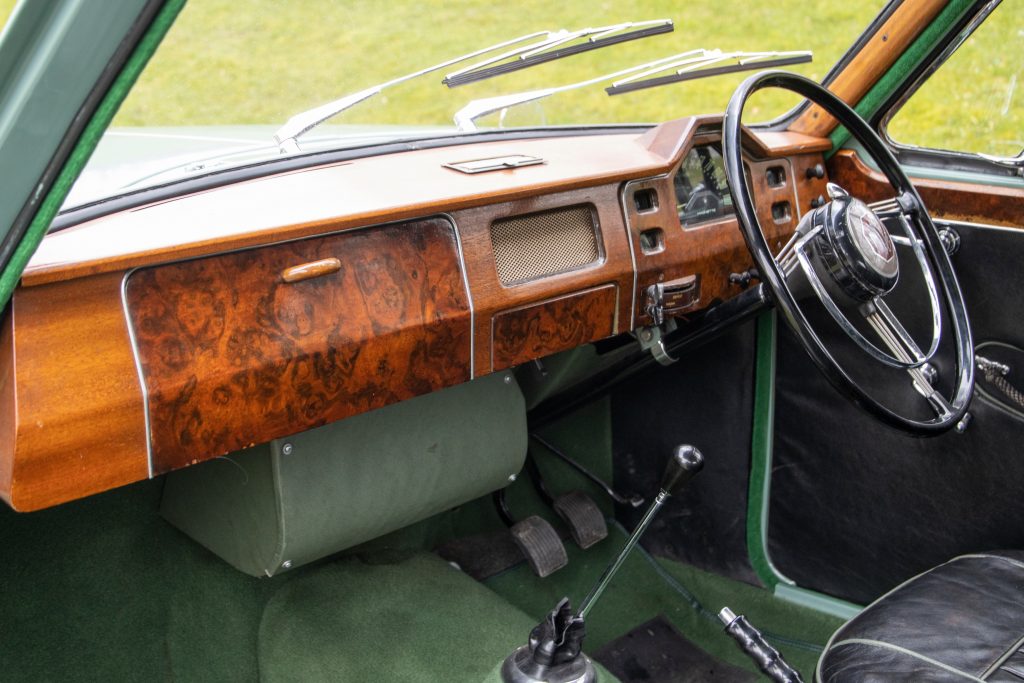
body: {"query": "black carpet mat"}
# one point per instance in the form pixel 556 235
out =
pixel 655 652
pixel 482 555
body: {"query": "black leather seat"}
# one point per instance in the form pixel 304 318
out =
pixel 962 621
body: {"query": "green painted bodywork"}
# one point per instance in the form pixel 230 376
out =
pixel 50 54
pixel 88 27
pixel 818 602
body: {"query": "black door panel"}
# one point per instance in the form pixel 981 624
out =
pixel 857 507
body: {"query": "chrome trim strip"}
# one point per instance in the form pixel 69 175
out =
pixel 791 180
pixel 138 370
pixel 469 294
pixel 632 254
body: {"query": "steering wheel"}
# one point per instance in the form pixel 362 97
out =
pixel 844 254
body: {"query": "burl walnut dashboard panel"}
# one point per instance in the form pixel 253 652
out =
pixel 233 355
pixel 523 334
pixel 169 334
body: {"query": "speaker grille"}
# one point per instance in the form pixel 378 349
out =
pixel 539 244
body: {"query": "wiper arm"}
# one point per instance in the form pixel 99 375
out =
pixel 555 47
pixel 545 46
pixel 301 123
pixel 465 118
pixel 699 64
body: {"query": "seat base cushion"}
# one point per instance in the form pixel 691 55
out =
pixel 963 620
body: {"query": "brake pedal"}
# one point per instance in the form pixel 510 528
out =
pixel 540 543
pixel 585 520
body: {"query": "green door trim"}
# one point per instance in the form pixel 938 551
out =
pixel 85 145
pixel 761 455
pixel 759 492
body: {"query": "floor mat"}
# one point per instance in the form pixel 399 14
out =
pixel 655 652
pixel 482 555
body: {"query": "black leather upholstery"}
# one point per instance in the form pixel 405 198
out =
pixel 962 621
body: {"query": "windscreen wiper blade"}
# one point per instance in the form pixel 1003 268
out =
pixel 557 46
pixel 465 118
pixel 700 64
pixel 526 50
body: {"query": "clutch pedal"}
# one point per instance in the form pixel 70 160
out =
pixel 585 520
pixel 540 543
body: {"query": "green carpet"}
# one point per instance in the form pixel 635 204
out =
pixel 418 621
pixel 646 587
pixel 103 589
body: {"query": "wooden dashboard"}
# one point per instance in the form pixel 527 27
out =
pixel 173 333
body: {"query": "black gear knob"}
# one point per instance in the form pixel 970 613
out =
pixel 685 463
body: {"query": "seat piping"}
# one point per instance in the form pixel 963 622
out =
pixel 1003 658
pixel 903 650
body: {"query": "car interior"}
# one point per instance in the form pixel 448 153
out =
pixel 710 399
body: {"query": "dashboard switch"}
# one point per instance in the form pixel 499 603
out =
pixel 816 171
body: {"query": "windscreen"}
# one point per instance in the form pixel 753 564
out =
pixel 228 77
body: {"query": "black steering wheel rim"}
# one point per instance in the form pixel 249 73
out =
pixel 773 277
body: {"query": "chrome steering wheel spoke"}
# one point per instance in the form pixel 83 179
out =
pixel 896 338
pixel 886 208
pixel 898 360
pixel 892 332
pixel 900 349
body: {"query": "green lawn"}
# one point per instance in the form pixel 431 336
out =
pixel 220 65
pixel 973 103
pixel 260 61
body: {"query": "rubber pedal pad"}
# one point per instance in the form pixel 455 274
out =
pixel 540 543
pixel 585 519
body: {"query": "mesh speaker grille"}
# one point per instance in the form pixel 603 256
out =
pixel 528 247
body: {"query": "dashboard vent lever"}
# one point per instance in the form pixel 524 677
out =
pixel 669 298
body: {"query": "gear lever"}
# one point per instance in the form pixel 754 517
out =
pixel 554 651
